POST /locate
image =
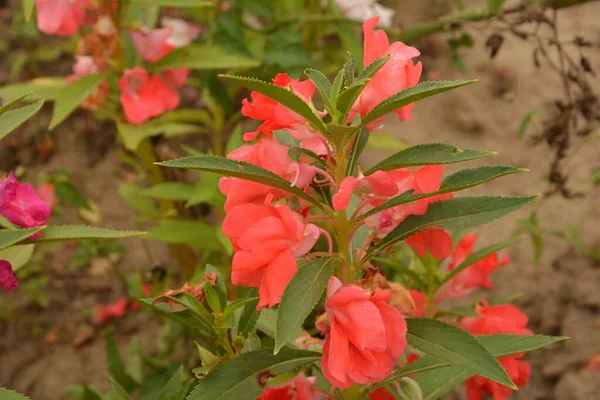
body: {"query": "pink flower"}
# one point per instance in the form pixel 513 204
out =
pixel 500 319
pixel 366 335
pixel 60 17
pixel 20 204
pixel 396 75
pixel 85 65
pixel 269 154
pixel 435 241
pixel 420 302
pixel 8 281
pixel 277 116
pixel 154 44
pixel 378 184
pixel 111 311
pixel 267 240
pixel 144 97
pixel 300 388
pixel 475 275
pixel 46 193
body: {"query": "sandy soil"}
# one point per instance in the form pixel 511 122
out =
pixel 37 355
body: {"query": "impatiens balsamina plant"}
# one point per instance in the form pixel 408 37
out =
pixel 339 274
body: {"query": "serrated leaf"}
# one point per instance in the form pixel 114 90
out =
pixel 170 191
pixel 203 57
pixel 296 153
pixel 41 89
pixel 117 391
pixel 358 146
pixel 373 68
pixel 236 378
pixel 172 386
pixel 300 297
pixel 479 255
pixel 249 315
pixel 348 97
pixel 498 345
pixel 237 304
pixel 336 87
pixel 116 367
pixel 72 95
pixel 410 95
pixel 427 154
pixel 283 96
pixel 133 135
pixel 10 120
pixel 323 86
pixel 6 224
pixel 186 317
pixel 81 232
pixel 238 169
pixel 460 180
pixel 435 384
pixel 453 345
pixel 7 394
pixel 175 3
pixel 5 107
pixel 10 237
pixel 195 233
pixel 463 212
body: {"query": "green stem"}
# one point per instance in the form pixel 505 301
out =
pixel 342 225
pixel 430 265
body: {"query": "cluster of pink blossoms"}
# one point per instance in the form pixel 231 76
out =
pixel 143 95
pixel 21 206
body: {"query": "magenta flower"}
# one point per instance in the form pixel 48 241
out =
pixel 8 281
pixel 21 205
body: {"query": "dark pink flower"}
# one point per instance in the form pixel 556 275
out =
pixel 366 335
pixel 60 17
pixel 8 281
pixel 396 75
pixel 144 97
pixel 20 204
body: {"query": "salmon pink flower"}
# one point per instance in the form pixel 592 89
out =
pixel 8 281
pixel 277 116
pixel 500 319
pixel 154 44
pixel 144 97
pixel 111 311
pixel 397 74
pixel 47 193
pixel 366 335
pixel 267 240
pixel 420 302
pixel 269 154
pixel 60 17
pixel 381 394
pixel 435 241
pixel 475 275
pixel 20 204
pixel 300 388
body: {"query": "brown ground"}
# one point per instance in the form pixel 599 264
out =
pixel 37 355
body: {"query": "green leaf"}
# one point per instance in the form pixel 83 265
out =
pixel 194 305
pixel 28 8
pixel 12 119
pixel 373 68
pixel 427 154
pixel 187 317
pixel 195 233
pixel 460 180
pixel 70 233
pixel 495 7
pixel 132 135
pixel 531 225
pixel 69 194
pixel 170 191
pixel 236 140
pixel 350 40
pixel 7 394
pixel 238 169
pixel 283 96
pixel 237 304
pixel 236 378
pixel 300 297
pixel 453 345
pixel 336 87
pixel 220 287
pixel 212 298
pixel 116 367
pixel 176 3
pixel 10 237
pixel 249 316
pixel 459 311
pixel 203 57
pixel 457 213
pixel 296 153
pixel 118 393
pixel 17 256
pixel 410 95
pixel 479 255
pixel 6 224
pixel 348 97
pixel 526 121
pixel 323 86
pixel 383 141
pixel 358 146
pixel 172 386
pixel 5 107
pixel 40 88
pixel 504 299
pixel 69 98
pixel 132 194
pixel 439 382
